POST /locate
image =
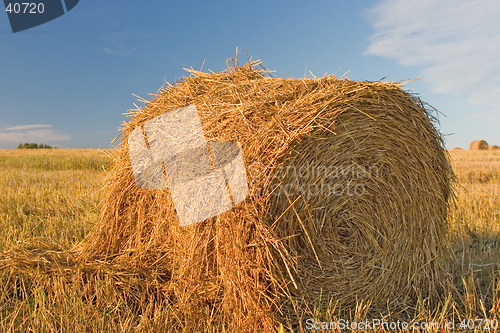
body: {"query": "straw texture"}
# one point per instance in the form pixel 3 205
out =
pixel 349 188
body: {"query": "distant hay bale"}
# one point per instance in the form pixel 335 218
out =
pixel 457 148
pixel 494 147
pixel 349 186
pixel 478 145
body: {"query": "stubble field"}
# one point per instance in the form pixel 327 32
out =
pixel 50 199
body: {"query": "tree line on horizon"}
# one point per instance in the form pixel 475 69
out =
pixel 27 145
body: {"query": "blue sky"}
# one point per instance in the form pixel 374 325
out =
pixel 68 82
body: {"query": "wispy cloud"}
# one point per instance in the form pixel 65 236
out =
pixel 456 41
pixel 135 44
pixel 39 133
pixel 121 43
pixel 27 127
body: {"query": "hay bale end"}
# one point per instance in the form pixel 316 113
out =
pixel 478 145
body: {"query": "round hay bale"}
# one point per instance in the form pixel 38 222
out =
pixel 494 147
pixel 348 195
pixel 457 148
pixel 478 145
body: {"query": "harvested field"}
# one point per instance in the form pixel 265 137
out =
pixel 269 261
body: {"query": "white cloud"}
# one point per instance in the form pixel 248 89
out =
pixel 456 41
pixel 27 127
pixel 39 133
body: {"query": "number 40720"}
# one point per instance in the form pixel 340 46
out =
pixel 29 7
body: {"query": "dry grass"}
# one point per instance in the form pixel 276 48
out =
pixel 35 202
pixel 476 232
